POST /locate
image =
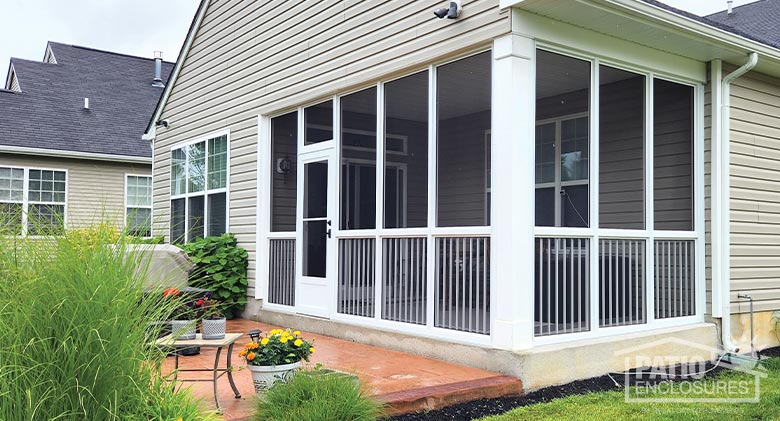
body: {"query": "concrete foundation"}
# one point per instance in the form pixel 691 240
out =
pixel 539 367
pixel 765 330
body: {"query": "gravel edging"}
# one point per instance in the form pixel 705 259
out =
pixel 485 407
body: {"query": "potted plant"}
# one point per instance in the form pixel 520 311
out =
pixel 275 356
pixel 182 318
pixel 213 322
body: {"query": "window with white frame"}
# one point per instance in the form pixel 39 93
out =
pixel 138 205
pixel 32 201
pixel 619 221
pixel 199 173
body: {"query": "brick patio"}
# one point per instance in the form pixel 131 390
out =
pixel 405 382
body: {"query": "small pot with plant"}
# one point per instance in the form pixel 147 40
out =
pixel 213 324
pixel 275 357
pixel 182 318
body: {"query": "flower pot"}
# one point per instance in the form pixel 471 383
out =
pixel 264 376
pixel 183 329
pixel 213 328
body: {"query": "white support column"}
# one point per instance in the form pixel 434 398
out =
pixel 513 188
pixel 716 187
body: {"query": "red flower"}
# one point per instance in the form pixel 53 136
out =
pixel 199 302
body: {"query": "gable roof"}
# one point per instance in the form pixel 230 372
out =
pixel 760 19
pixel 49 111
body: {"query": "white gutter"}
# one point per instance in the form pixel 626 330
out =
pixel 725 196
pixel 75 155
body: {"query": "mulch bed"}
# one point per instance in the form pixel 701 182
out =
pixel 485 407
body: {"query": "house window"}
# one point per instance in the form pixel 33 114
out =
pixel 138 205
pixel 199 173
pixel 32 201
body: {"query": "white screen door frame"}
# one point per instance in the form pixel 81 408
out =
pixel 315 232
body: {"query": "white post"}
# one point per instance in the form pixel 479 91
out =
pixel 513 190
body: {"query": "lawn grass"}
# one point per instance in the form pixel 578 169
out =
pixel 611 405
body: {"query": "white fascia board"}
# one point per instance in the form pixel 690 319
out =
pixel 660 16
pixel 75 155
pixel 179 62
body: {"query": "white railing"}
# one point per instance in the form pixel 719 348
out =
pixel 281 271
pixel 462 284
pixel 356 276
pixel 562 283
pixel 404 279
pixel 621 282
pixel 674 279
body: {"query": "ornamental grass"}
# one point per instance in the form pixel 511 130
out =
pixel 75 329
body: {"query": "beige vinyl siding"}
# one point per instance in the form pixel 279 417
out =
pixel 95 189
pixel 755 191
pixel 257 57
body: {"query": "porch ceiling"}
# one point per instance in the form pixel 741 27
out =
pixel 651 26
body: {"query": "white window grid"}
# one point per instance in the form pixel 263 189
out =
pixel 183 188
pixel 51 190
pixel 138 196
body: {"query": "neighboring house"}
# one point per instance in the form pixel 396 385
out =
pixel 527 188
pixel 71 151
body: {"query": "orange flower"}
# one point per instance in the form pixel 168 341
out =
pixel 242 353
pixel 171 292
pixel 251 356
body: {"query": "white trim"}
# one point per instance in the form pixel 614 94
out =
pixel 666 19
pixel 179 63
pixel 23 150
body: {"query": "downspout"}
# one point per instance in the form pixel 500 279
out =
pixel 725 264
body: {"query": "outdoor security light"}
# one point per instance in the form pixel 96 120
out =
pixel 451 12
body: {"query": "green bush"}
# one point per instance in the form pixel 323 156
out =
pixel 75 333
pixel 317 395
pixel 220 265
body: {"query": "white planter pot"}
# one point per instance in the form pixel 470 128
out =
pixel 213 328
pixel 264 376
pixel 183 329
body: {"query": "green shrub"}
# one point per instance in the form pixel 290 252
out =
pixel 220 265
pixel 75 333
pixel 317 395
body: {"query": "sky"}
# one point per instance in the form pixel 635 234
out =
pixel 136 27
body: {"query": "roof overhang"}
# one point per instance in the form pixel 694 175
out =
pixel 653 26
pixel 54 153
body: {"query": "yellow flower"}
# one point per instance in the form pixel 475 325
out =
pixel 311 350
pixel 298 342
pixel 264 341
pixel 180 419
pixel 283 339
pixel 297 332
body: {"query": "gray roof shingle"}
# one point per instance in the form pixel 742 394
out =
pixel 49 112
pixel 760 19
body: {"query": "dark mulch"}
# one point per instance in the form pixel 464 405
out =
pixel 485 407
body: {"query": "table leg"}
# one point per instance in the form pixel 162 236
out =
pixel 216 367
pixel 175 367
pixel 230 371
